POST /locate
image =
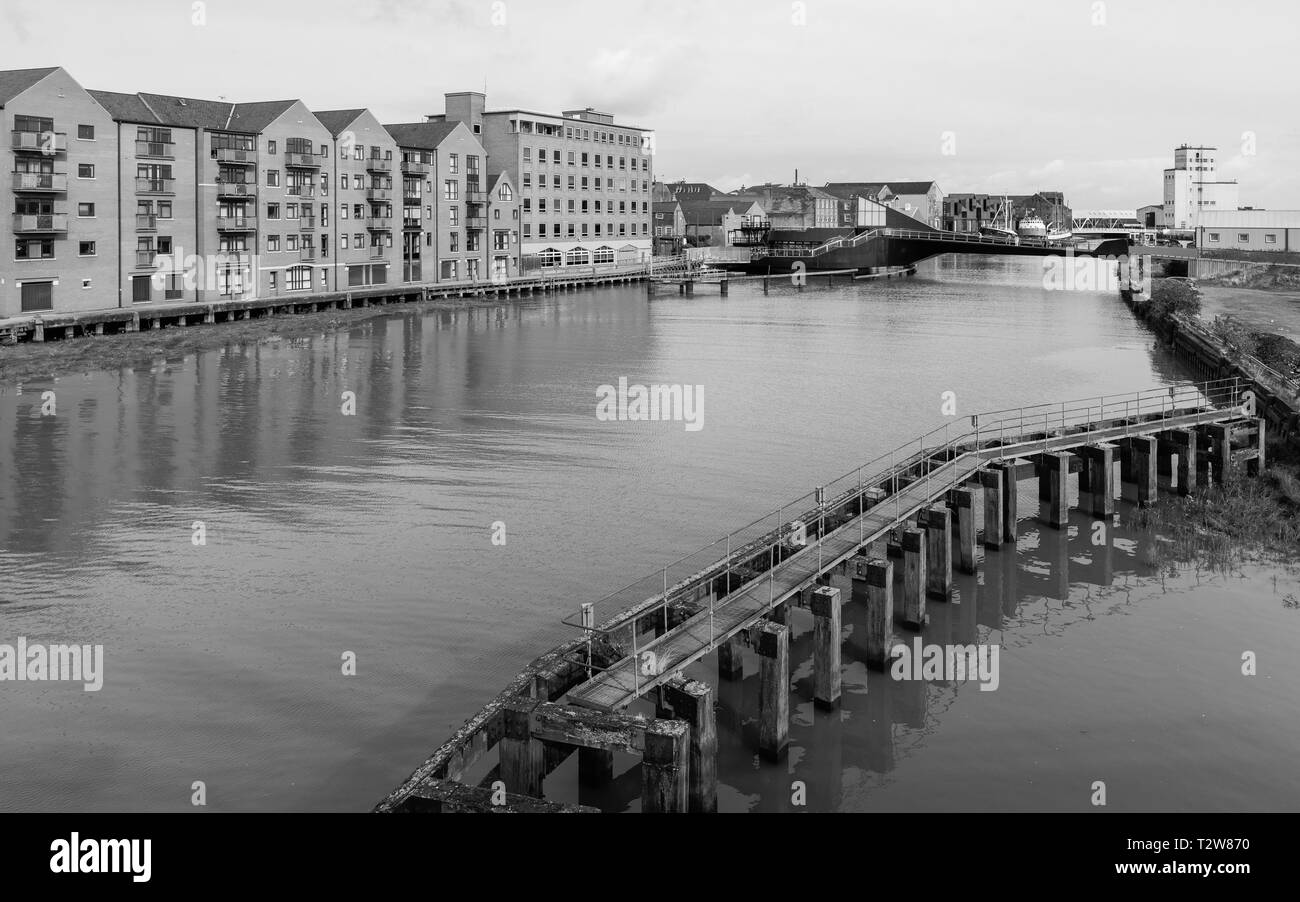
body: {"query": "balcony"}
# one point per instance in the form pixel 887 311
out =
pixel 379 253
pixel 301 191
pixel 379 223
pixel 41 181
pixel 307 254
pixel 146 222
pixel 237 190
pixel 413 225
pixel 375 164
pixel 415 168
pixel 302 160
pixel 146 259
pixel 157 150
pixel 306 223
pixel 476 222
pixel 47 143
pixel 236 224
pixel 476 197
pixel 236 157
pixel 155 186
pixel 379 194
pixel 43 223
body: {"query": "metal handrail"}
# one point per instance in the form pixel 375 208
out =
pixel 1017 432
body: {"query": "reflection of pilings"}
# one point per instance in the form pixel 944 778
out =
pixel 878 730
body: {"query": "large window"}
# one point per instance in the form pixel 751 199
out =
pixel 549 257
pixel 577 257
pixel 603 254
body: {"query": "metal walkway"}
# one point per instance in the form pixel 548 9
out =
pixel 909 483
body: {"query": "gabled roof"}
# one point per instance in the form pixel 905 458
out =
pixel 14 81
pixel 845 190
pixel 337 121
pixel 190 112
pixel 495 181
pixel 421 135
pixel 666 206
pixel 710 212
pixel 911 187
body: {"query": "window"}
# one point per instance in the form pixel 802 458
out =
pixel 37 296
pixel 505 193
pixel 272 211
pixel 343 181
pixel 272 244
pixel 572 183
pixel 85 283
pixel 86 132
pixel 291 243
pixel 272 280
pixel 343 242
pixel 528 180
pixel 1243 238
pixel 555 157
pixel 273 178
pixel 572 158
pixel 453 216
pixel 450 189
pixel 86 249
pixel 356 182
pixel 1270 238
pixel 449 269
pixel 164 209
pixel 271 147
pixel 85 211
pixel 453 160
pixel 453 242
pixel 528 154
pixel 85 170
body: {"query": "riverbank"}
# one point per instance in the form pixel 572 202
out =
pixel 30 360
pixel 1259 310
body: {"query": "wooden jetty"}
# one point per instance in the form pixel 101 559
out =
pixel 920 504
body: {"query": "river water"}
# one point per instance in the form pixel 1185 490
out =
pixel 329 536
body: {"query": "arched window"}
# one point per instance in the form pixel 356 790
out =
pixel 578 256
pixel 603 254
pixel 549 257
pixel 505 193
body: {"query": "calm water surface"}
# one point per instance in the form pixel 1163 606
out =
pixel 371 534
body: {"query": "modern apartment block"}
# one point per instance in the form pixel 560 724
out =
pixel 128 199
pixel 459 221
pixel 1192 189
pixel 584 181
pixel 63 153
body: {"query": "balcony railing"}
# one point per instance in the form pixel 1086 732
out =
pixel 379 194
pixel 235 224
pixel 146 259
pixel 476 197
pixel 146 222
pixel 43 222
pixel 48 143
pixel 476 222
pixel 414 167
pixel 155 186
pixel 379 223
pixel 306 223
pixel 412 224
pixel 236 156
pixel 301 191
pixel 379 253
pixel 159 149
pixel 302 160
pixel 376 164
pixel 41 181
pixel 240 190
pixel 307 254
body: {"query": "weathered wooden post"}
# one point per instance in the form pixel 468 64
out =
pixel 1218 450
pixel 913 579
pixel 774 691
pixel 938 551
pixel 722 286
pixel 1184 445
pixel 991 481
pixel 1053 475
pixel 1258 464
pixel 826 647
pixel 731 663
pixel 690 288
pixel 1099 464
pixel 1143 456
pixel 522 756
pixel 878 575
pixel 966 533
pixel 665 768
pixel 692 701
pixel 1010 470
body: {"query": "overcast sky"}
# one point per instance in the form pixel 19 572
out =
pixel 1082 96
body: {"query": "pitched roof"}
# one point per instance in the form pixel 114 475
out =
pixel 702 211
pixel 14 81
pixel 337 120
pixel 190 112
pixel 255 117
pixel 124 107
pixel 910 187
pixel 421 135
pixel 845 190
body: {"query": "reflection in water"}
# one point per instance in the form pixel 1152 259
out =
pixel 371 533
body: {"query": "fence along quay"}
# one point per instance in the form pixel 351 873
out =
pixel 923 500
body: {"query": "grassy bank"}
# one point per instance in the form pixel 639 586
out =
pixel 29 361
pixel 1221 528
pixel 1259 278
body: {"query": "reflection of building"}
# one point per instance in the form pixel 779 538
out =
pixel 1192 189
pixel 583 180
pixel 1249 230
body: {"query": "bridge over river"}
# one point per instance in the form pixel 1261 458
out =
pixel 921 504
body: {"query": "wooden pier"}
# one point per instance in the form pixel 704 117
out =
pixel 924 499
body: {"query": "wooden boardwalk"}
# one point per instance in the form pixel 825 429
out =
pixel 630 678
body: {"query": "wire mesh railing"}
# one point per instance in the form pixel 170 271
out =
pixel 792 539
